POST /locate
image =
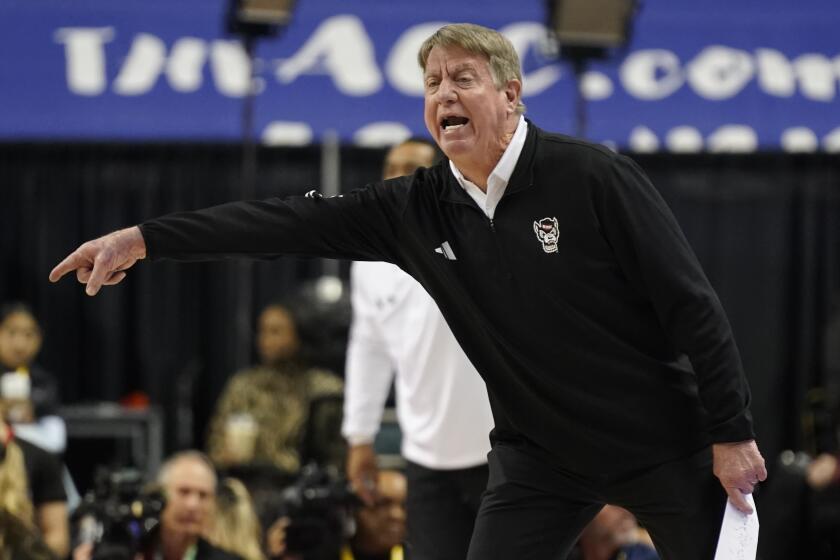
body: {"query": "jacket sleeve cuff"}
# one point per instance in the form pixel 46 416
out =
pixel 144 231
pixel 738 428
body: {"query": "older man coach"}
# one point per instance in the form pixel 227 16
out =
pixel 611 368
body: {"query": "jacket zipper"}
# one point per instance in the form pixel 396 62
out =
pixel 503 263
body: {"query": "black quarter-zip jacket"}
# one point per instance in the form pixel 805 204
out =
pixel 608 351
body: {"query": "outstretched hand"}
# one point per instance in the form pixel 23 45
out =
pixel 103 261
pixel 740 467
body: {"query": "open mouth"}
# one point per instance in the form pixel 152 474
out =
pixel 453 123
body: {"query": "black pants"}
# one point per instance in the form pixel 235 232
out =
pixel 441 509
pixel 534 511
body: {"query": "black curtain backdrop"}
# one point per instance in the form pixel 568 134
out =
pixel 766 228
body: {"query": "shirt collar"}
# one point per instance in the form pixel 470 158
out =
pixel 507 163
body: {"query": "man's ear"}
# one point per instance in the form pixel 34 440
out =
pixel 513 92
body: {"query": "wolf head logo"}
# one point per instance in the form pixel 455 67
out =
pixel 547 232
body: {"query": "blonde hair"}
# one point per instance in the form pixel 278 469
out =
pixel 492 45
pixel 14 486
pixel 235 525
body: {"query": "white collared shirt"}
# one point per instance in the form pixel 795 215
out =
pixel 499 177
pixel 442 404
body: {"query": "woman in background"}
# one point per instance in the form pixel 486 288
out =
pixel 33 510
pixel 281 412
pixel 235 526
pixel 34 403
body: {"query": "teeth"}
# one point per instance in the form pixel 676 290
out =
pixel 453 127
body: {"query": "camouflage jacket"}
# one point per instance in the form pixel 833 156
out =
pixel 297 412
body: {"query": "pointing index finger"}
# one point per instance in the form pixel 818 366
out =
pixel 72 262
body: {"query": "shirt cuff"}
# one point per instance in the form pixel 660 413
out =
pixel 359 439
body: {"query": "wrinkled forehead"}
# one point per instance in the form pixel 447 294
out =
pixel 453 59
pixel 195 484
pixel 189 474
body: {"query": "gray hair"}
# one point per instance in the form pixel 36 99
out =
pixel 190 454
pixel 489 43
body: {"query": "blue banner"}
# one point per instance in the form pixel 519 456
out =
pixel 697 76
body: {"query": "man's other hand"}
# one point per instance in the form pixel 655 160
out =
pixel 103 261
pixel 740 467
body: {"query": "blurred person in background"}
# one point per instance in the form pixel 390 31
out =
pixel 612 369
pixel 823 478
pixel 31 391
pixel 398 329
pixel 235 526
pixel 262 415
pixel 614 534
pixel 803 500
pixel 381 526
pixel 33 504
pixel 188 480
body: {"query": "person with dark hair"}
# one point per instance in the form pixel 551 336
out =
pixel 378 533
pixel 404 158
pixel 614 534
pixel 264 413
pixel 803 499
pixel 381 525
pixel 399 334
pixel 612 370
pixel 32 392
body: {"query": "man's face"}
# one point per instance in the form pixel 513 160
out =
pixel 465 113
pixel 20 340
pixel 404 159
pixel 383 525
pixel 277 338
pixel 190 490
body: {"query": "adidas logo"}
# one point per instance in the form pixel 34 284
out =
pixel 446 251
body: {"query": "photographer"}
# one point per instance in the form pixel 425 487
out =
pixel 188 482
pixel 325 521
pixel 381 526
pixel 803 502
pixel 311 518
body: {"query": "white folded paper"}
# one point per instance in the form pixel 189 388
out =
pixel 738 533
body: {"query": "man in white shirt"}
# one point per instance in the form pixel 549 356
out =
pixel 442 404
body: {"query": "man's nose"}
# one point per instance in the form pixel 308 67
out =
pixel 397 512
pixel 446 93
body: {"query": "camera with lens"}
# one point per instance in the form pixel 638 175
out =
pixel 320 506
pixel 119 515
